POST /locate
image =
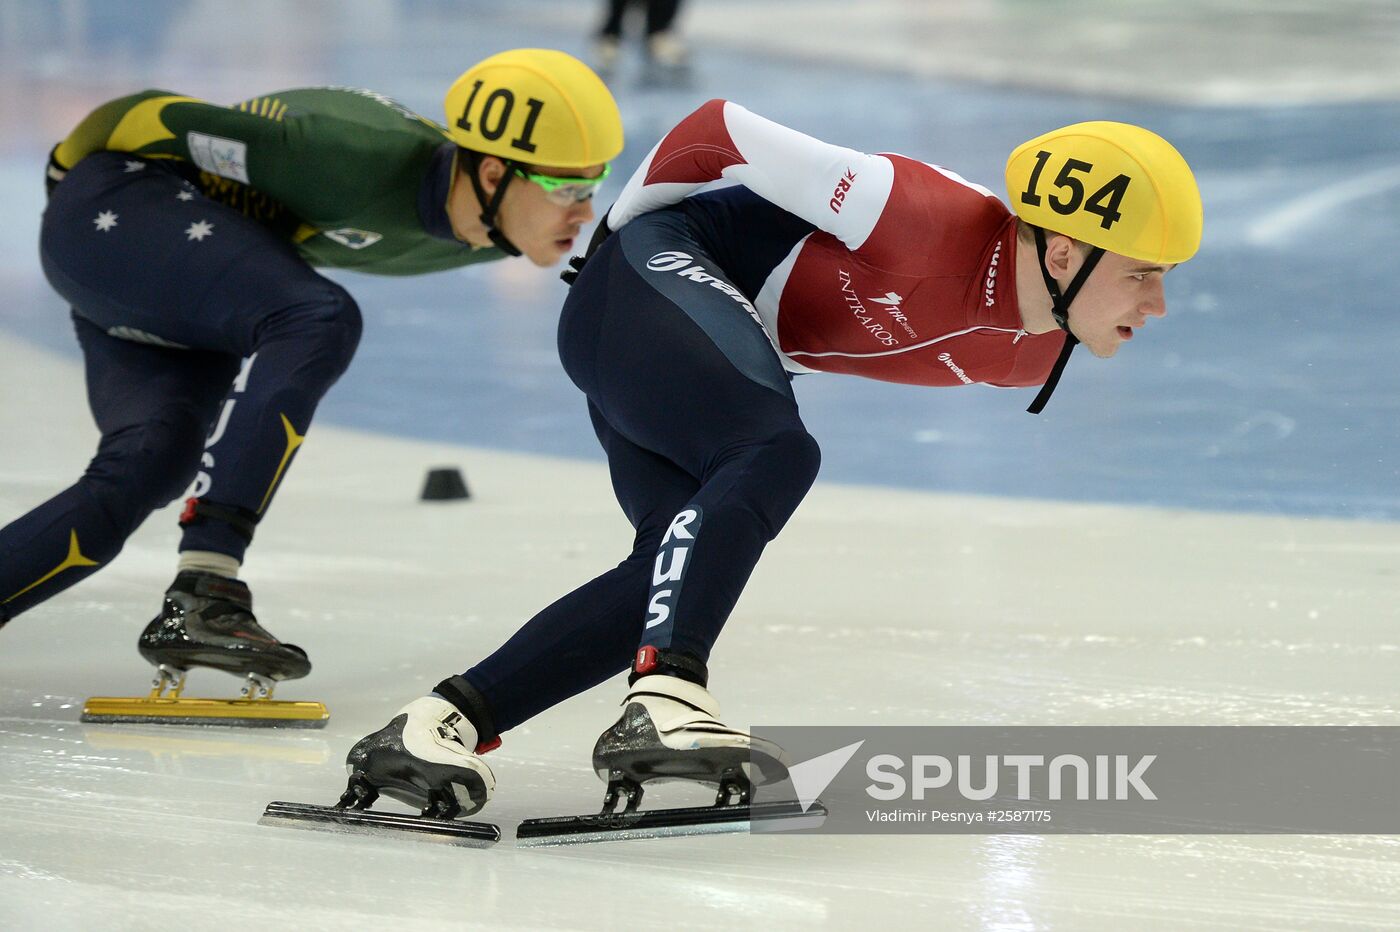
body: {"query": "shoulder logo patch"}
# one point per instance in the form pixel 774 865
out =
pixel 227 158
pixel 352 238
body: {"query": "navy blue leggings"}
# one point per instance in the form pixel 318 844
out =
pixel 207 343
pixel 707 453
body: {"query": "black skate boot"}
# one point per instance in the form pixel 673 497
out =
pixel 426 757
pixel 208 622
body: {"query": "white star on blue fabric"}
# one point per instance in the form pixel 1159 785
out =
pixel 185 196
pixel 134 166
pixel 105 221
pixel 199 230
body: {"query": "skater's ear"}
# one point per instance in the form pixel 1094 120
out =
pixel 489 171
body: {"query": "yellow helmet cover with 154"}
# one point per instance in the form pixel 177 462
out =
pixel 1113 185
pixel 539 106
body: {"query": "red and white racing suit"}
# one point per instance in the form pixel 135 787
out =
pixel 906 271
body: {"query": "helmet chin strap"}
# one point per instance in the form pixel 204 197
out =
pixel 490 207
pixel 1059 309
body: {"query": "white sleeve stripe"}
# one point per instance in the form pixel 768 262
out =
pixel 838 190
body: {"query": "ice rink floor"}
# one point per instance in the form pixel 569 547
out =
pixel 1210 533
pixel 1157 617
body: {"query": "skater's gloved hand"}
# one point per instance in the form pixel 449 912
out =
pixel 576 263
pixel 55 172
pixel 570 275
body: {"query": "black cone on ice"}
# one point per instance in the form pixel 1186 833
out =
pixel 445 485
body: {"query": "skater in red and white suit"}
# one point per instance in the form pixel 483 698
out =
pixel 899 262
pixel 684 327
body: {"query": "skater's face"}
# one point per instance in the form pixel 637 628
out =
pixel 1116 300
pixel 543 224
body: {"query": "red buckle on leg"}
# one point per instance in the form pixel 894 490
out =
pixel 491 745
pixel 646 660
pixel 188 514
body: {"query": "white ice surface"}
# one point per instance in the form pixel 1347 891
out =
pixel 874 606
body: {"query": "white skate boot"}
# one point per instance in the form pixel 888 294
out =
pixel 427 757
pixel 670 730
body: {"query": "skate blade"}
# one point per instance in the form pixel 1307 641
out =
pixel 247 713
pixel 663 823
pixel 363 821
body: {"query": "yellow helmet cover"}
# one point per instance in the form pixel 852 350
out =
pixel 1112 185
pixel 540 106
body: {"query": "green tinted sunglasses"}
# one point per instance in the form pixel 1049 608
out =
pixel 566 192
